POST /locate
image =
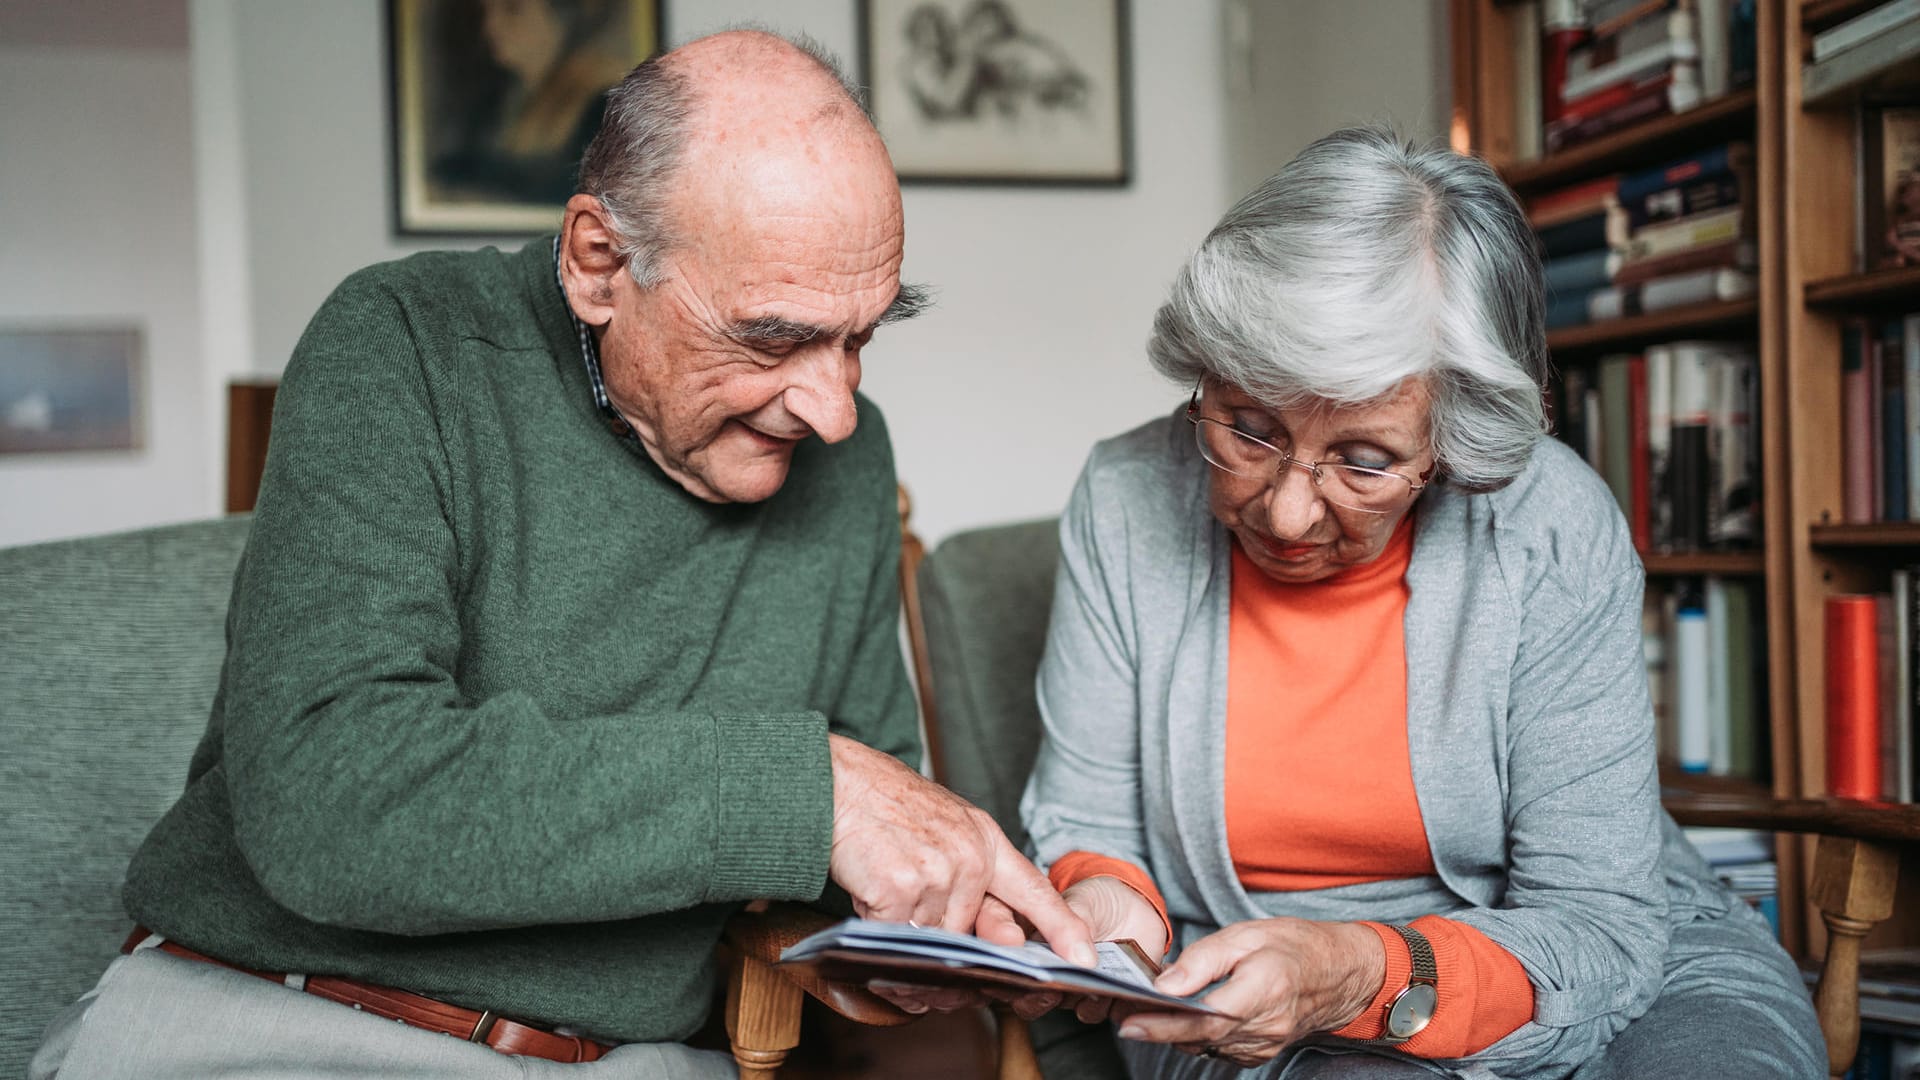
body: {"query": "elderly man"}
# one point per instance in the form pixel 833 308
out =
pixel 566 627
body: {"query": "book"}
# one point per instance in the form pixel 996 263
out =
pixel 1616 441
pixel 1729 159
pixel 1884 607
pixel 1581 273
pixel 1719 680
pixel 1702 286
pixel 1653 651
pixel 1852 697
pixel 1744 717
pixel 1897 741
pixel 1527 123
pixel 1562 27
pixel 1673 91
pixel 1733 254
pixel 1733 483
pixel 1572 203
pixel 1860 64
pixel 1640 521
pixel 1893 421
pixel 1600 229
pixel 1714 192
pixel 1689 467
pixel 1659 448
pixel 1743 43
pixel 1713 26
pixel 861 949
pixel 1569 309
pixel 1863 26
pixel 1889 187
pixel 1705 229
pixel 1651 43
pixel 1689 670
pixel 1858 481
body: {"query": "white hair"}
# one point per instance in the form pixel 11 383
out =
pixel 1364 263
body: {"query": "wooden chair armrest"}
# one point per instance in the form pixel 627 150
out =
pixel 762 935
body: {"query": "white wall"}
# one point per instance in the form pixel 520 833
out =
pixel 1045 296
pixel 1298 69
pixel 97 225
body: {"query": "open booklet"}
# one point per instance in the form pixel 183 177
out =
pixel 859 949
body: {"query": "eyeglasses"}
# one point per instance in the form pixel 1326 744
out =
pixel 1352 487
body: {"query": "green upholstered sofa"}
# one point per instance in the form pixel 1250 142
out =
pixel 110 650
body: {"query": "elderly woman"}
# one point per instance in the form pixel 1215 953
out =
pixel 1344 693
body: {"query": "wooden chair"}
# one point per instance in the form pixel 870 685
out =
pixel 1856 865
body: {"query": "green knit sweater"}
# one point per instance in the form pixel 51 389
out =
pixel 507 717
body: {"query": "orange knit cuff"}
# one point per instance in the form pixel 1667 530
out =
pixel 1078 866
pixel 1485 994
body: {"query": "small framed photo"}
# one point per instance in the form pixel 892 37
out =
pixel 494 100
pixel 1001 91
pixel 68 389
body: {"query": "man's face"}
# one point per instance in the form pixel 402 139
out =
pixel 751 342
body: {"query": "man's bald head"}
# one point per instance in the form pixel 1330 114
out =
pixel 709 111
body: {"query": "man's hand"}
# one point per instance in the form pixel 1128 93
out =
pixel 908 850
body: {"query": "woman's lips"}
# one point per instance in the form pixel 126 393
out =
pixel 1289 552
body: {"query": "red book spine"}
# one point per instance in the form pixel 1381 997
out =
pixel 1641 520
pixel 1856 428
pixel 1853 697
pixel 1556 44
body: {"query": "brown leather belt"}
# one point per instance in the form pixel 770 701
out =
pixel 486 1028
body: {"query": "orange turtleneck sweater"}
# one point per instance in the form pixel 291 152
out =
pixel 1317 673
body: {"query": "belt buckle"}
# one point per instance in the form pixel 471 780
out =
pixel 483 1027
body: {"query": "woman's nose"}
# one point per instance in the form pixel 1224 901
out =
pixel 1294 504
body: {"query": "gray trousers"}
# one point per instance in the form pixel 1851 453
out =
pixel 1725 1012
pixel 157 1016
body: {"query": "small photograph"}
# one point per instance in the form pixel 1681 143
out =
pixel 1000 91
pixel 494 100
pixel 69 389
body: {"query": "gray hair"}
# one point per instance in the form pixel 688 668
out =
pixel 634 157
pixel 1365 262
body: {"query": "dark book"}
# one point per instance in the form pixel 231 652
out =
pixel 1893 421
pixel 1691 197
pixel 1579 236
pixel 1579 273
pixel 1858 477
pixel 1727 159
pixel 1572 416
pixel 1616 440
pixel 1641 519
pixel 1730 254
pixel 1733 469
pixel 1650 98
pixel 1743 43
pixel 1692 422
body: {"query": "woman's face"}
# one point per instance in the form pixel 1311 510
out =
pixel 1281 521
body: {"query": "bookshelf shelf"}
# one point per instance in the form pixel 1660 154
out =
pixel 1709 318
pixel 1820 14
pixel 1722 563
pixel 1645 144
pixel 1878 534
pixel 1896 822
pixel 1876 290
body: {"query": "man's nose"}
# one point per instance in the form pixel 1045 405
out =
pixel 1294 504
pixel 821 393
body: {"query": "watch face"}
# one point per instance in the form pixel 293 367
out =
pixel 1411 1011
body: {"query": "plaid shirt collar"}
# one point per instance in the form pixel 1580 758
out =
pixel 590 356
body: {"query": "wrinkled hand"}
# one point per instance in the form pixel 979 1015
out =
pixel 1112 911
pixel 908 850
pixel 1285 979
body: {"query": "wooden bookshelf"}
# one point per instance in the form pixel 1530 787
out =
pixel 1721 563
pixel 1729 117
pixel 1897 823
pixel 1718 318
pixel 1867 293
pixel 1817 15
pixel 1878 534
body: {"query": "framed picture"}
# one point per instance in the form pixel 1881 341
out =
pixel 494 100
pixel 1000 91
pixel 69 389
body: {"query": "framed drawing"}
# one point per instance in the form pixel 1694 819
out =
pixel 1000 91
pixel 493 101
pixel 69 389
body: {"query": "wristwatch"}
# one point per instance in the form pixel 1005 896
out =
pixel 1411 1010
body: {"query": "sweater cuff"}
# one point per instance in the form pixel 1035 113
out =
pixel 1372 1021
pixel 1078 866
pixel 773 808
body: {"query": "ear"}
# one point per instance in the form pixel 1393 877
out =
pixel 589 260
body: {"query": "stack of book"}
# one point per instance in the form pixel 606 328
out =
pixel 1889 186
pixel 1587 68
pixel 1673 431
pixel 1880 418
pixel 1743 861
pixel 1872 660
pixel 1705 647
pixel 1678 234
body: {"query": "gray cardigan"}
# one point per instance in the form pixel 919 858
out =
pixel 1528 719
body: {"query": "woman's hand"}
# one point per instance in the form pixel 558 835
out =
pixel 1113 911
pixel 1285 979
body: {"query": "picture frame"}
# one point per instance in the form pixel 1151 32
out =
pixel 1001 91
pixel 71 388
pixel 492 102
